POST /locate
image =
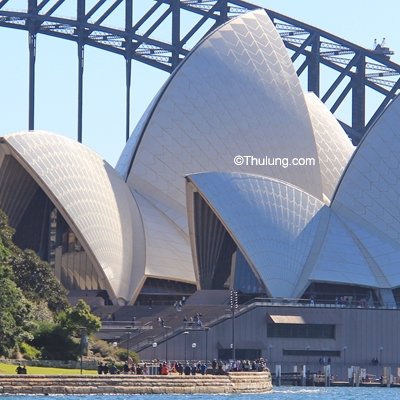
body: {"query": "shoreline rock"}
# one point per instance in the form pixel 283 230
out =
pixel 233 382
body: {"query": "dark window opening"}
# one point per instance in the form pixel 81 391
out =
pixel 306 331
pixel 396 295
pixel 315 353
pixel 214 247
pixel 32 231
pixel 241 354
pixel 163 291
pixel 221 264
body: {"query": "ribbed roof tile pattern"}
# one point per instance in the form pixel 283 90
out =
pixel 370 188
pixel 273 223
pixel 340 259
pixel 334 146
pixel 91 197
pixel 231 96
pixel 237 93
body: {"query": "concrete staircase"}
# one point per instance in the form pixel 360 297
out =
pixel 147 326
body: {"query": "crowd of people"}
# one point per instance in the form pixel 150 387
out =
pixel 126 368
pixel 183 368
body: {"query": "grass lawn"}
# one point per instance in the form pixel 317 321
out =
pixel 10 369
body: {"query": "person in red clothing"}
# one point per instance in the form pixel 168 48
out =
pixel 164 369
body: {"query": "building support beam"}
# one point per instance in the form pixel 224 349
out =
pixel 32 60
pixel 32 9
pixel 358 96
pixel 81 59
pixel 176 32
pixel 128 64
pixel 80 89
pixel 313 66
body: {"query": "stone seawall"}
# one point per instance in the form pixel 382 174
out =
pixel 234 382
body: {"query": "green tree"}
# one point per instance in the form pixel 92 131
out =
pixel 36 279
pixel 55 342
pixel 32 275
pixel 6 234
pixel 29 291
pixel 15 313
pixel 41 312
pixel 75 318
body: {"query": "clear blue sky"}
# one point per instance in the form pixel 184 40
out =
pixel 358 21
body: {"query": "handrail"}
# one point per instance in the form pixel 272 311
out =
pixel 257 302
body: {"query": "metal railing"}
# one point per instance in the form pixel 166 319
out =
pixel 320 303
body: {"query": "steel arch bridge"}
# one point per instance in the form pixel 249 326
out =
pixel 358 71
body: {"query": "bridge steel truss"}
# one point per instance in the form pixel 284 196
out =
pixel 356 69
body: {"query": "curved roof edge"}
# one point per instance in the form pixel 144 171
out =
pixel 333 145
pixel 369 188
pixel 167 247
pixel 90 195
pixel 249 207
pixel 363 139
pixel 125 161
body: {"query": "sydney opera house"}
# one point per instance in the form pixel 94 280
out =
pixel 234 178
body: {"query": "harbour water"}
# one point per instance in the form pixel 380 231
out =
pixel 281 393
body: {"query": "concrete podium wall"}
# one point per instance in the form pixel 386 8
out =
pixel 360 336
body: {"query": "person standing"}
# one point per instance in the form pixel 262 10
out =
pixel 19 369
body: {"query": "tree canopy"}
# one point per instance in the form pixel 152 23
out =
pixel 32 275
pixel 33 304
pixel 79 317
pixel 16 319
pixel 25 282
pixel 36 279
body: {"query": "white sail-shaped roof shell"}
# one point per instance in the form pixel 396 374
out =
pixel 341 259
pixel 92 198
pixel 237 93
pixel 333 145
pixel 368 196
pixel 273 223
pixel 370 188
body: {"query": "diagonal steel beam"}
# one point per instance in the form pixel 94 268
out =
pixel 342 96
pixel 156 24
pixel 165 55
pixel 390 96
pixel 302 67
pixel 42 4
pixel 108 12
pixel 306 43
pixel 54 8
pixel 93 10
pixel 198 25
pixel 146 16
pixel 340 78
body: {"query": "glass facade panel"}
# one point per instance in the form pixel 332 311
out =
pixel 221 264
pixel 245 280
